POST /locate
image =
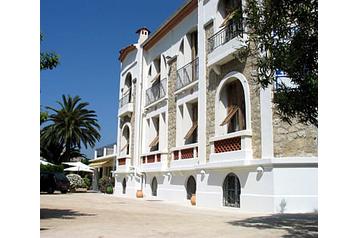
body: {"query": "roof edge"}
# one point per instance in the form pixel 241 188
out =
pixel 175 19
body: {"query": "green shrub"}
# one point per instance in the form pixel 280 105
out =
pixel 51 168
pixel 105 182
pixel 109 190
pixel 86 182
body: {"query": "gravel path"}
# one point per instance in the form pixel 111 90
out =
pixel 97 215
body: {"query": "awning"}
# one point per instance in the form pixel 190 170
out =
pixel 228 18
pixel 191 131
pixel 155 78
pixel 231 112
pixel 100 164
pixel 154 142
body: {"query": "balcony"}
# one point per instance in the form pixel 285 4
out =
pixel 152 161
pixel 232 146
pixel 126 105
pixel 184 157
pixel 187 74
pixel 225 42
pixel 124 163
pixel 156 92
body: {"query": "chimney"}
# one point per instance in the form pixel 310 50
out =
pixel 143 33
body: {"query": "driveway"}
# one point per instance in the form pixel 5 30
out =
pixel 97 215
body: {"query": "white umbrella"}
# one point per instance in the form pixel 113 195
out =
pixel 77 169
pixel 80 165
pixel 45 162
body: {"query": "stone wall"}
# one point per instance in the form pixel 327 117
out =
pixel 171 106
pixel 293 140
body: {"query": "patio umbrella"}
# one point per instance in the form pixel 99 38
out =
pixel 77 169
pixel 45 162
pixel 78 166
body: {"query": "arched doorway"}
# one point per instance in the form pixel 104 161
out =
pixel 124 186
pixel 154 186
pixel 231 191
pixel 190 187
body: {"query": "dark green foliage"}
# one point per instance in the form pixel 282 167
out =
pixel 87 182
pixel 70 126
pixel 284 35
pixel 109 190
pixel 51 168
pixel 105 182
pixel 43 117
pixel 48 60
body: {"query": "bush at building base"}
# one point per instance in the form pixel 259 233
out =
pixel 75 181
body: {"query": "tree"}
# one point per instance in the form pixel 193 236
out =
pixel 71 126
pixel 48 60
pixel 284 36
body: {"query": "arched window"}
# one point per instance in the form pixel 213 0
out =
pixel 125 141
pixel 154 186
pixel 231 191
pixel 190 187
pixel 127 89
pixel 233 98
pixel 124 186
pixel 226 7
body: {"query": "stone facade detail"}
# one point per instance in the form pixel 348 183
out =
pixel 171 107
pixel 294 140
pixel 213 80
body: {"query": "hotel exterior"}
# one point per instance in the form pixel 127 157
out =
pixel 193 122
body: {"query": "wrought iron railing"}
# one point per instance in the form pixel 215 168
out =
pixel 125 99
pixel 223 36
pixel 187 74
pixel 156 92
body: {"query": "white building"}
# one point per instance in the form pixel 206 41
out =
pixel 193 120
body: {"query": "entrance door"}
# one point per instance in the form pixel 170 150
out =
pixel 232 191
pixel 154 186
pixel 190 187
pixel 124 186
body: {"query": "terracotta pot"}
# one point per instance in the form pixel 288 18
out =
pixel 139 194
pixel 193 199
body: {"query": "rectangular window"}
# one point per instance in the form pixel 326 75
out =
pixel 154 144
pixel 192 135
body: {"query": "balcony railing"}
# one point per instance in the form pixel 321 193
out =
pixel 156 92
pixel 125 99
pixel 151 158
pixel 187 74
pixel 185 152
pixel 223 36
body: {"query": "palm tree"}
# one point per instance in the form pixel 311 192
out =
pixel 71 126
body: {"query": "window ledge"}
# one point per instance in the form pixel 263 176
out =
pixel 184 147
pixel 243 133
pixel 124 157
pixel 156 102
pixel 154 153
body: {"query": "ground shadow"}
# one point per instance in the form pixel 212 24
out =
pixel 297 225
pixel 46 213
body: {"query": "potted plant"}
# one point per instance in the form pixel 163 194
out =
pixel 193 199
pixel 139 194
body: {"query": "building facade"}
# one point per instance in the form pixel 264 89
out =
pixel 104 163
pixel 192 120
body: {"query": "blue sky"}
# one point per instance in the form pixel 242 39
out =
pixel 88 35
